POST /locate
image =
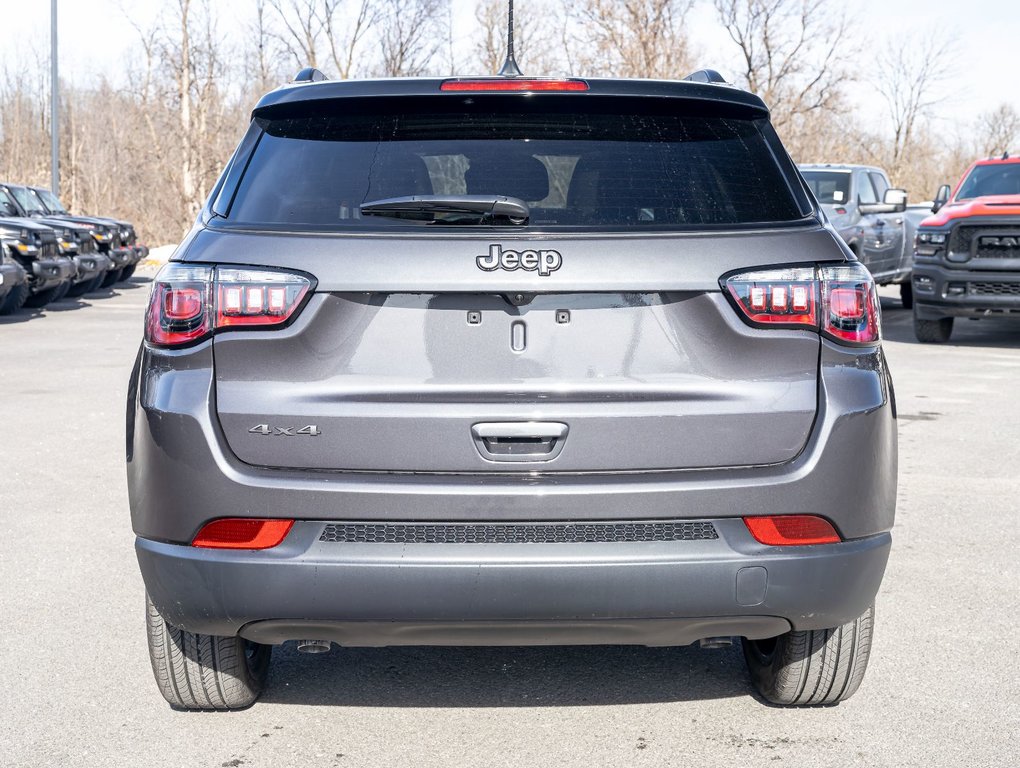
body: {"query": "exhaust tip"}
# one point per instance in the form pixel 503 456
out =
pixel 313 646
pixel 715 642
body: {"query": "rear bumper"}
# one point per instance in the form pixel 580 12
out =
pixel 645 593
pixel 940 292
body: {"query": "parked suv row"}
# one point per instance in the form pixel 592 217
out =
pixel 48 253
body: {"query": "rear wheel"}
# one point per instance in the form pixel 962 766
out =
pixel 933 331
pixel 907 295
pixel 196 671
pixel 112 277
pixel 810 667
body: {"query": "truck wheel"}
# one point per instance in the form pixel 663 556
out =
pixel 933 331
pixel 128 271
pixel 86 287
pixel 907 295
pixel 15 299
pixel 204 671
pixel 62 290
pixel 810 667
pixel 41 299
pixel 111 278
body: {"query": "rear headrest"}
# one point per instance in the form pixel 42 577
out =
pixel 398 174
pixel 525 177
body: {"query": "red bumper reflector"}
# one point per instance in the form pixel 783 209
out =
pixel 514 84
pixel 792 530
pixel 242 533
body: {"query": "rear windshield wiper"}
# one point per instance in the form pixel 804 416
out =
pixel 452 209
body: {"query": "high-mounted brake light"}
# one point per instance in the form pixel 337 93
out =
pixel 791 530
pixel 515 84
pixel 839 301
pixel 189 302
pixel 242 533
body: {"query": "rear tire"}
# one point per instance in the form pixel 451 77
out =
pixel 933 331
pixel 196 671
pixel 111 278
pixel 15 299
pixel 806 668
pixel 907 295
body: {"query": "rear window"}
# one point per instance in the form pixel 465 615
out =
pixel 617 171
pixel 830 187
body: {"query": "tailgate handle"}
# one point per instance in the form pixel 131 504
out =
pixel 519 440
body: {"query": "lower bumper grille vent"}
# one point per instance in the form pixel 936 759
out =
pixel 517 533
pixel 995 289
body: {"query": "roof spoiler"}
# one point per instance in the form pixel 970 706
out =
pixel 706 76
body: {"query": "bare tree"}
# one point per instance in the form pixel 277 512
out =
pixel 412 36
pixel 794 53
pixel 315 33
pixel 535 37
pixel 910 76
pixel 632 38
pixel 263 57
pixel 998 130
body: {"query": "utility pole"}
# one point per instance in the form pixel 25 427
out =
pixel 54 104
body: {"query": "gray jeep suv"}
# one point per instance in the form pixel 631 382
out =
pixel 507 361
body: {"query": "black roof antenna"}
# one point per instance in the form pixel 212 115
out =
pixel 510 68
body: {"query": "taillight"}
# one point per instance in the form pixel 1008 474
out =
pixel 242 533
pixel 791 530
pixel 513 84
pixel 179 306
pixel 189 302
pixel 839 301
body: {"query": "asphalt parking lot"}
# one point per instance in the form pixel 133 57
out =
pixel 942 688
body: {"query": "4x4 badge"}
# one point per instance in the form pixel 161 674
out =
pixel 544 262
pixel 264 429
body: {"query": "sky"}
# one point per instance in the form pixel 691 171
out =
pixel 96 36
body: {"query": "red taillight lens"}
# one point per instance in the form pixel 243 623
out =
pixel 188 303
pixel 242 533
pixel 247 297
pixel 785 297
pixel 791 530
pixel 839 301
pixel 179 306
pixel 850 307
pixel 514 84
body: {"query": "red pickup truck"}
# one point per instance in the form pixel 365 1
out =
pixel 967 254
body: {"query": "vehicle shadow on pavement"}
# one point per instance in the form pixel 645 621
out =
pixel 505 677
pixel 74 304
pixel 898 326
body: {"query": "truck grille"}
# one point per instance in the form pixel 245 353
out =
pixel 986 242
pixel 995 289
pixel 517 533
